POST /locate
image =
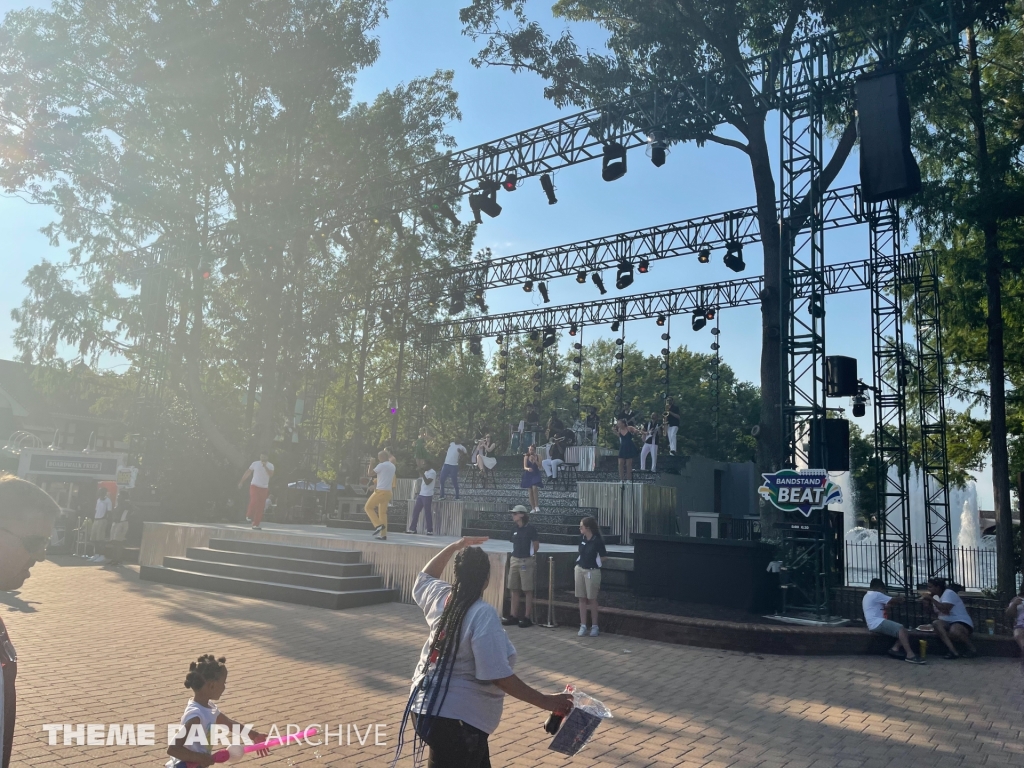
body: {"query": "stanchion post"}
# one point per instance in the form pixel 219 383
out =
pixel 551 594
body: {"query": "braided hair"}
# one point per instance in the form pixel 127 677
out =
pixel 472 570
pixel 207 668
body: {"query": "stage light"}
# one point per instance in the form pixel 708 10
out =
pixel 503 352
pixel 543 288
pixel 699 321
pixel 501 390
pixel 615 326
pixel 576 388
pixel 498 339
pixel 478 299
pixel 577 374
pixel 534 335
pixel 537 388
pixel 664 337
pixel 458 303
pixel 581 277
pixel 714 346
pixel 613 161
pixel 859 405
pixel 577 346
pixel 536 376
pixel 644 266
pixel 528 286
pixel 619 356
pixel 660 321
pixel 442 208
pixel 599 282
pixel 549 188
pixel 624 275
pixel 620 342
pixel 658 147
pixel 734 256
pixel 666 351
pixel 486 200
pixel 709 314
pixel 573 329
pixel 704 255
pixel 509 184
pixel 715 331
pixel 475 345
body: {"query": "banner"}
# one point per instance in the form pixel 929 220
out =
pixel 800 490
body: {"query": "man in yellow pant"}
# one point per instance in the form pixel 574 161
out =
pixel 377 505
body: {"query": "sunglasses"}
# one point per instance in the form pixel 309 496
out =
pixel 34 545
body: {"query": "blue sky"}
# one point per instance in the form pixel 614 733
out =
pixel 419 38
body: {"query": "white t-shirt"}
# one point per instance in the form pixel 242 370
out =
pixel 873 604
pixel 485 654
pixel 452 457
pixel 427 489
pixel 958 612
pixel 207 717
pixel 260 474
pixel 385 472
pixel 103 506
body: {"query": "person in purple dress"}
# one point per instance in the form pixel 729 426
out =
pixel 532 478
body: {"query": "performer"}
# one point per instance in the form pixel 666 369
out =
pixel 588 573
pixel 555 426
pixel 260 471
pixel 556 457
pixel 377 505
pixel 522 567
pixel 627 414
pixel 465 667
pixel 593 423
pixel 484 453
pixel 627 449
pixel 672 423
pixel 419 450
pixel 531 477
pixel 651 442
pixel 424 501
pixel 451 467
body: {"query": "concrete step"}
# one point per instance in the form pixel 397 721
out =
pixel 279 563
pixel 394 524
pixel 295 578
pixel 268 590
pixel 287 550
pixel 545 538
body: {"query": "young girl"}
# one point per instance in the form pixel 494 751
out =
pixel 588 573
pixel 207 678
pixel 532 477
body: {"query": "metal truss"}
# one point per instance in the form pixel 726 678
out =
pixel 932 414
pixel 831 279
pixel 841 207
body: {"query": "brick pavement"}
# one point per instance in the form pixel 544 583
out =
pixel 98 645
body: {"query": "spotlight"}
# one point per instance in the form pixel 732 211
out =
pixel 644 266
pixel 715 331
pixel 619 342
pixel 624 275
pixel 664 337
pixel 573 329
pixel 619 356
pixel 543 288
pixel 528 286
pixel 509 184
pixel 581 277
pixel 709 314
pixel 478 299
pixel 577 345
pixel 660 321
pixel 599 282
pixel 666 351
pixel 613 163
pixel 458 303
pixel 442 208
pixel 699 321
pixel 537 388
pixel 549 338
pixel 503 353
pixel 549 188
pixel 615 326
pixel 501 390
pixel 704 255
pixel 534 335
pixel 658 147
pixel 859 403
pixel 475 345
pixel 715 347
pixel 498 339
pixel 485 200
pixel 734 256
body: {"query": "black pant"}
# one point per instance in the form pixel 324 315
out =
pixel 454 744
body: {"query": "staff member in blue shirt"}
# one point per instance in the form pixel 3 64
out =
pixel 522 567
pixel 588 573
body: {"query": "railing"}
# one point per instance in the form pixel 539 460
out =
pixel 973 567
pixel 739 528
pixel 847 602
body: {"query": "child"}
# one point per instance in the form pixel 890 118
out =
pixel 875 604
pixel 207 678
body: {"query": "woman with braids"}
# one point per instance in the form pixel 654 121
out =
pixel 207 678
pixel 465 668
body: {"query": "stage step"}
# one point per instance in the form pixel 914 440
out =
pixel 545 538
pixel 325 578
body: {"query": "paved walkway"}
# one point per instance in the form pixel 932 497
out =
pixel 98 646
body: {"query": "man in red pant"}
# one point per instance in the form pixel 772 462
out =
pixel 260 471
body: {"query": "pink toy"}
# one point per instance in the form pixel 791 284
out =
pixel 237 750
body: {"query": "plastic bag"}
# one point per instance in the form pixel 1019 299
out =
pixel 578 727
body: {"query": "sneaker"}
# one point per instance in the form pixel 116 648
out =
pixel 524 623
pixel 583 631
pixel 410 531
pixel 593 631
pixel 508 621
pixel 430 533
pixel 377 530
pixel 101 560
pixel 952 656
pixel 383 537
pixel 915 660
pixel 896 654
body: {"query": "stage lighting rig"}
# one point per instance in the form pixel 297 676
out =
pixel 660 321
pixel 624 275
pixel 528 285
pixel 615 326
pixel 549 188
pixel 549 338
pixel 657 147
pixel 704 255
pixel 509 184
pixel 581 277
pixel 486 200
pixel 599 282
pixel 613 161
pixel 644 266
pixel 709 314
pixel 734 256
pixel 458 303
pixel 475 345
pixel 698 321
pixel 573 329
pixel 543 288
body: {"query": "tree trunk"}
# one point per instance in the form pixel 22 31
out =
pixel 266 417
pixel 1005 571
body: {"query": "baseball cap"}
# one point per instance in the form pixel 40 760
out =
pixel 519 508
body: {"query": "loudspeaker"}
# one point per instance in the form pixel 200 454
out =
pixel 840 376
pixel 836 444
pixel 888 169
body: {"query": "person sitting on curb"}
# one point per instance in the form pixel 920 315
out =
pixel 1015 613
pixel 875 603
pixel 952 621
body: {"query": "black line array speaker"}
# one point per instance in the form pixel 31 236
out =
pixel 840 376
pixel 888 169
pixel 836 443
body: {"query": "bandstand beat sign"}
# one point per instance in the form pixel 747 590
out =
pixel 800 490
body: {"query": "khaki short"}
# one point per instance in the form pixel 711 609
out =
pixel 521 573
pixel 98 531
pixel 588 582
